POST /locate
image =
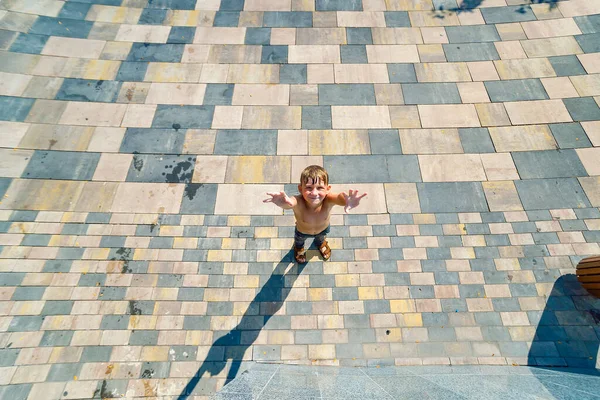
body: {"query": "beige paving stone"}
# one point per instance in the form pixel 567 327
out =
pixel 526 68
pixel 30 373
pixel 483 71
pixel 234 54
pixel 195 53
pixel 537 112
pixel 198 17
pixel 148 197
pixel 112 167
pixel 592 129
pixel 402 198
pixel 13 162
pixel 591 62
pixel 17 22
pixel 172 72
pixel 360 117
pixel 49 8
pixel 542 11
pixel 272 117
pixel 106 139
pixel 252 73
pixel 587 85
pixel 71 47
pixel 361 73
pixel 283 36
pixel 214 73
pixel 550 28
pixel 398 53
pixel 388 36
pixel 116 51
pixel 522 138
pixel 576 8
pixel 389 94
pixel 559 88
pixel 228 196
pixel 499 166
pixel 430 141
pixel 292 142
pixel 365 19
pixel 429 18
pixel 589 158
pixel 510 50
pixel 404 117
pixel 219 35
pixel 99 69
pixel 13 84
pixel 133 92
pixel 116 15
pixel 271 95
pixel 473 92
pixel 142 33
pixel 434 35
pixel 330 142
pixel 492 114
pixel 558 46
pixel 268 5
pixel 175 93
pixel 52 390
pixel 448 116
pixel 103 31
pixel 473 17
pixel 96 197
pixel 324 19
pixel 405 5
pixel 372 203
pixel 303 5
pixel 431 53
pixel 301 162
pixel 227 117
pixel 374 5
pixel 312 36
pixel 46 111
pixel 139 116
pixel 258 169
pixel 93 114
pixel 313 54
pixel 451 168
pixel 11 133
pixel 320 73
pixel 42 87
pixel 442 72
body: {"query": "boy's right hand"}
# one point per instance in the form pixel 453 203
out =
pixel 279 199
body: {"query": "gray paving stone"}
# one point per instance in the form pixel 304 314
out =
pixel 450 241
pixel 25 323
pixel 396 19
pixel 178 116
pixel 231 5
pixel 66 253
pixel 61 27
pixel 114 322
pixel 14 108
pixel 570 135
pixel 74 229
pixel 258 36
pixel 506 304
pixel 96 354
pixel 61 165
pixel 338 5
pixel 15 392
pixel 4 184
pixel 113 293
pixel 476 140
pixel 539 215
pixel 316 117
pixel 588 23
pixel 548 164
pixel 452 197
pixel 566 65
pixel 57 266
pixel 292 73
pixel 63 372
pixel 161 168
pixel 470 52
pixel 569 225
pixel 142 140
pixel 439 334
pixel 472 33
pixel 497 15
pixel 354 54
pixel 74 10
pixel 151 16
pixel 246 142
pixel 36 240
pixel 227 18
pixel 385 141
pixel 589 43
pixel 359 36
pixel 199 198
pixel 29 43
pixel 218 94
pixel 156 52
pixel 583 108
pixel 274 55
pixel 587 213
pixel 545 238
pixel 402 73
pixel 57 307
pixel 516 90
pixel 181 34
pixel 438 253
pixel 286 19
pixel 6 38
pixel 145 337
pixel 8 357
pixel 132 71
pixel 113 241
pixel 430 93
pixel 347 94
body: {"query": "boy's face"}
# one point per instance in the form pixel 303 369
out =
pixel 314 192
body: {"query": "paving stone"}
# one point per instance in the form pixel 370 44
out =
pixel 589 43
pixel 588 23
pixel 132 71
pixel 338 5
pixel 246 142
pixel 566 65
pixel 226 18
pixel 88 90
pixel 497 15
pixel 25 323
pixel 473 33
pixel 452 197
pixel 396 19
pixel 29 43
pixel 476 140
pixel 347 94
pixel 181 34
pixel 61 27
pixel 61 165
pixel 73 10
pixel 199 198
pixel 142 140
pixel 514 90
pixel 569 135
pixel 316 117
pixel 274 55
pixel 546 194
pixel 177 117
pixel 284 19
pixel 14 108
pixel 583 109
pixel 384 141
pixel 402 73
pixel 548 164
pixel 354 54
pixel 470 52
pixel 359 36
pixel 155 52
pixel 16 392
pixel 151 16
pixel 292 73
pixel 258 36
pixel 431 93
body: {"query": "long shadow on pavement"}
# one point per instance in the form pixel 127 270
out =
pixel 234 344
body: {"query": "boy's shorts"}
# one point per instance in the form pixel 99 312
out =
pixel 324 232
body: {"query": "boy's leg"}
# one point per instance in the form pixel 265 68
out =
pixel 299 239
pixel 322 245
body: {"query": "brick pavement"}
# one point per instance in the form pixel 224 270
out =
pixel 138 137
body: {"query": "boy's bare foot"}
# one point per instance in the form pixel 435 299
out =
pixel 300 255
pixel 325 250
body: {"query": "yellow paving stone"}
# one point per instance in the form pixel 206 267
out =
pixel 252 73
pixel 499 166
pixel 587 85
pixel 361 73
pixel 370 293
pixel 492 114
pixel 537 112
pixel 147 197
pixel 525 68
pixel 397 53
pixel 234 54
pixel 591 187
pixel 272 117
pixel 133 92
pixel 312 36
pixel 198 17
pixel 510 50
pixel 361 117
pixel 338 142
pixel 373 203
pixel 41 195
pixel 313 54
pixel 473 92
pixel 13 162
pixel 429 18
pixel 215 73
pixel 324 19
pixel 411 319
pixel 219 35
pixel 258 169
pixel 404 117
pixel 559 88
pixel 558 46
pixel 502 196
pixel 170 72
pixel 116 15
pixel 430 141
pixel 434 35
pixel 462 252
pixel 283 36
pixel 442 72
pixel 451 168
pixel 116 51
pixel 389 36
pixel 406 5
pixel 303 5
pixel 448 116
pixel 112 167
pixel 446 291
pixel 431 53
pixel 255 94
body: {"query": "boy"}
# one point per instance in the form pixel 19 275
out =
pixel 312 208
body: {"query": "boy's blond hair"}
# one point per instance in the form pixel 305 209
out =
pixel 314 173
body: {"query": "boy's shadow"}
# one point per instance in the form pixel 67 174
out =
pixel 567 334
pixel 233 345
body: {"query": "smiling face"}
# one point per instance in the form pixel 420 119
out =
pixel 313 192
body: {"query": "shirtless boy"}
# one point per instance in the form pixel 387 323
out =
pixel 312 209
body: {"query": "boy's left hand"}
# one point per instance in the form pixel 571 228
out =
pixel 352 199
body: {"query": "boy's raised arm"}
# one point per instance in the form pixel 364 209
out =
pixel 282 200
pixel 348 201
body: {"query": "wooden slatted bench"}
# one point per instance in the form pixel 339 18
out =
pixel 588 274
